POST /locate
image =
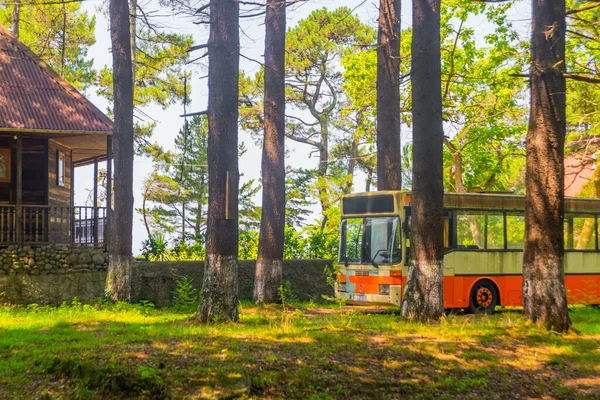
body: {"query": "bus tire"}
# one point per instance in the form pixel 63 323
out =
pixel 484 297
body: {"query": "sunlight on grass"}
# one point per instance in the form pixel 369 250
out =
pixel 92 351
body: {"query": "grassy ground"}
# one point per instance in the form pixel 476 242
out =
pixel 125 351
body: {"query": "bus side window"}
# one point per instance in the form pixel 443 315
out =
pixel 568 232
pixel 495 232
pixel 584 232
pixel 470 230
pixel 446 232
pixel 515 231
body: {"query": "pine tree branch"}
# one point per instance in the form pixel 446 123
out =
pixel 204 112
pixel 197 59
pixel 575 77
pixel 582 78
pixel 585 8
pixel 198 47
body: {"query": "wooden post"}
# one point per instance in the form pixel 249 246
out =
pixel 96 220
pixel 72 212
pixel 107 226
pixel 19 189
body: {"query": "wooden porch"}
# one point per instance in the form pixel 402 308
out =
pixel 37 186
pixel 41 224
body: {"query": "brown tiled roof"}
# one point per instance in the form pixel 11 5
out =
pixel 33 97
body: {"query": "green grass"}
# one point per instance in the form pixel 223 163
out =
pixel 134 351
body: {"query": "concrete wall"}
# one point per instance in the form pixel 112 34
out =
pixel 153 281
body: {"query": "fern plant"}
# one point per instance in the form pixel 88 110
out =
pixel 185 297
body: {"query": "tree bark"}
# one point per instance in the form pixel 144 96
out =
pixel 389 174
pixel 369 179
pixel 63 43
pixel 219 299
pixel 16 18
pixel 352 163
pixel 269 264
pixel 132 36
pixel 544 295
pixel 423 295
pixel 120 258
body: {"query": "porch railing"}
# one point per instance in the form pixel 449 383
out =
pixel 79 225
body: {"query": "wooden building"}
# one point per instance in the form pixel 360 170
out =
pixel 47 130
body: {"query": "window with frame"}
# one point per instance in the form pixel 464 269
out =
pixel 581 232
pixel 470 230
pixel 494 231
pixel 478 230
pixel 60 169
pixel 515 231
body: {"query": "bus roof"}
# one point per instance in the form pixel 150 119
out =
pixel 514 202
pixel 478 201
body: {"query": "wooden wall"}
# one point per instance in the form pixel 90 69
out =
pixel 59 196
pixel 34 172
pixel 7 188
pixel 59 221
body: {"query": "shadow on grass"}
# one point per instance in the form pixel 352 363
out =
pixel 328 357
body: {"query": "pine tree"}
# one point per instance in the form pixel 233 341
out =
pixel 423 296
pixel 544 294
pixel 389 172
pixel 269 265
pixel 120 263
pixel 220 289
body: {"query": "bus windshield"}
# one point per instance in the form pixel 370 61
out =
pixel 371 240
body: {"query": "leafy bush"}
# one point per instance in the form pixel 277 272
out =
pixel 155 247
pixel 186 252
pixel 286 294
pixel 248 245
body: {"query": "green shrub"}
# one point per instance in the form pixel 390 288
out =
pixel 155 247
pixel 185 297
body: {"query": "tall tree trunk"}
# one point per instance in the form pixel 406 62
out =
pixel 63 44
pixel 544 295
pixel 200 211
pixel 269 265
pixel 369 179
pixel 322 183
pixel 352 163
pixel 145 212
pixel 389 174
pixel 220 287
pixel 16 17
pixel 183 221
pixel 132 35
pixel 120 263
pixel 423 296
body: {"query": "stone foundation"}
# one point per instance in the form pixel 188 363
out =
pixel 51 260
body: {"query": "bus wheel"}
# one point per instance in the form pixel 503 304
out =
pixel 484 298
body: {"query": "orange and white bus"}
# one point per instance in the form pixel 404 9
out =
pixel 483 257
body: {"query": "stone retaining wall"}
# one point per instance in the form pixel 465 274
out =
pixel 71 275
pixel 51 259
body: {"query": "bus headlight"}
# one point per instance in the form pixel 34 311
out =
pixel 341 286
pixel 384 289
